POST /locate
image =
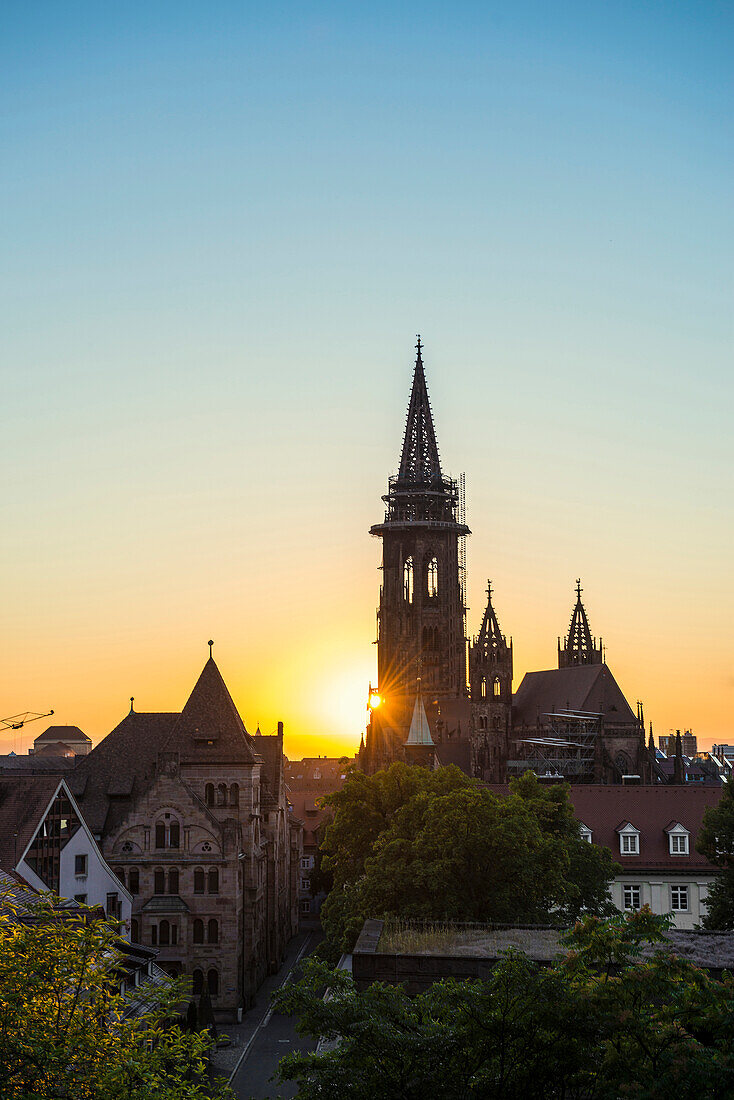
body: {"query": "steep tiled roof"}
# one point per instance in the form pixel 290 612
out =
pixel 580 687
pixel 23 801
pixel 37 765
pixel 210 728
pixel 68 734
pixel 651 810
pixel 124 759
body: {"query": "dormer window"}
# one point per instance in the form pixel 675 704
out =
pixel 629 840
pixel 585 833
pixel 678 843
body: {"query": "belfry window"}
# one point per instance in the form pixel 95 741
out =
pixel 408 580
pixel 483 687
pixel 497 687
pixel 432 578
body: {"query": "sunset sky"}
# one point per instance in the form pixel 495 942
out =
pixel 223 225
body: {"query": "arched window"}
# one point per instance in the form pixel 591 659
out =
pixel 173 880
pixel 483 722
pixel 133 880
pixel 159 881
pixel 213 932
pixel 425 635
pixel 154 934
pixel 212 980
pixel 164 933
pixel 197 982
pixel 213 880
pixel 120 872
pixel 174 933
pixel 432 578
pixel 496 722
pixel 198 931
pixel 622 762
pixel 134 932
pixel 234 794
pixel 435 638
pixel 209 794
pixel 160 834
pixel 174 831
pixel 198 880
pixel 408 580
pixel 483 687
pixel 222 794
pixel 497 687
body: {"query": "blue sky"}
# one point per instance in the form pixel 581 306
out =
pixel 223 225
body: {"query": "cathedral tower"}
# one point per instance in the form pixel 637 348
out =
pixel 421 617
pixel 579 648
pixel 490 680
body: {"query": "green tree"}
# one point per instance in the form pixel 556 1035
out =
pixel 716 842
pixel 437 845
pixel 604 1022
pixel 64 1032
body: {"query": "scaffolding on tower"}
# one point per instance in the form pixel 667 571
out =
pixel 564 747
pixel 462 541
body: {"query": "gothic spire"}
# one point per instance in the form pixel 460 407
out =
pixel 579 648
pixel 420 731
pixel 419 462
pixel 490 636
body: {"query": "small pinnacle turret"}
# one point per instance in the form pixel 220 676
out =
pixel 579 647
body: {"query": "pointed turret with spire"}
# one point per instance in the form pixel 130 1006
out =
pixel 579 648
pixel 421 618
pixel 490 679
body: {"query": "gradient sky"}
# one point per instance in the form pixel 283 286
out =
pixel 222 225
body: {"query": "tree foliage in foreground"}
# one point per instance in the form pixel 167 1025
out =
pixel 63 1031
pixel 437 845
pixel 716 842
pixel 604 1023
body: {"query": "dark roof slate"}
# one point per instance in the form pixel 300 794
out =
pixel 211 716
pixel 580 687
pixel 68 734
pixel 23 801
pixel 124 759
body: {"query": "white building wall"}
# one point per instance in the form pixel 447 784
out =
pixel 655 891
pixel 99 880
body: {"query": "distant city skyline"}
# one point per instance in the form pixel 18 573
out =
pixel 224 228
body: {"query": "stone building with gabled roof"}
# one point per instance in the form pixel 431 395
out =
pixel 191 813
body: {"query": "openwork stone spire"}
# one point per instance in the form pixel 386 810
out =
pixel 419 462
pixel 490 636
pixel 579 648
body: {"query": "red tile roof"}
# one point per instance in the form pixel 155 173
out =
pixel 650 809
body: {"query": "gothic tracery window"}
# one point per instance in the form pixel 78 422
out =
pixel 432 578
pixel 408 580
pixel 497 686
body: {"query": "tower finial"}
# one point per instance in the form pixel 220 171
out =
pixel 418 347
pixel 579 589
pixel 210 643
pixel 489 591
pixel 132 701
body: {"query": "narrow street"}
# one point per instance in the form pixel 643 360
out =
pixel 273 1035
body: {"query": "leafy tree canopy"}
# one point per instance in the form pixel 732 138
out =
pixel 63 1028
pixel 716 842
pixel 605 1022
pixel 437 845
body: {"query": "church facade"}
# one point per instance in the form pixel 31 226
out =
pixel 572 721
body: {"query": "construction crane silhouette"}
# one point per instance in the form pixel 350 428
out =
pixel 17 721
